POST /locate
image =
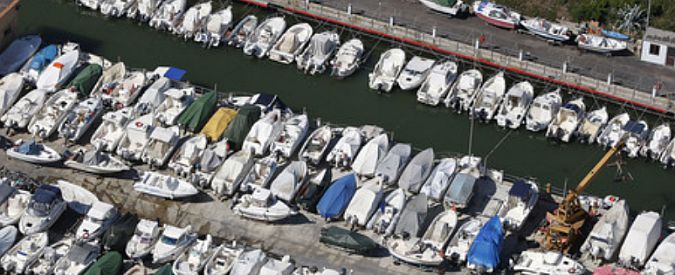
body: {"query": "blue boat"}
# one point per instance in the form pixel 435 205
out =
pixel 615 35
pixel 18 53
pixel 337 197
pixel 484 252
pixel 42 58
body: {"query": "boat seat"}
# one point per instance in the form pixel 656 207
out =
pixel 439 232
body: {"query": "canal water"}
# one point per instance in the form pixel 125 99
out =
pixel 349 101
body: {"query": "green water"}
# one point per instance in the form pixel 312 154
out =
pixel 348 101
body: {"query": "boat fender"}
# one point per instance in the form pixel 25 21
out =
pixel 572 270
pixel 139 124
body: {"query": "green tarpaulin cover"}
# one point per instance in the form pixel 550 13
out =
pixel 164 270
pixel 199 112
pixel 120 233
pixel 238 129
pixel 108 264
pixel 346 239
pixel 86 79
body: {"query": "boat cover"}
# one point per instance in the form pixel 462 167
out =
pixel 6 191
pixel 417 171
pixel 29 148
pixel 109 264
pixel 86 79
pixel 164 270
pixel 413 217
pixel 217 124
pixel 337 197
pixel 46 193
pixel 615 35
pixel 93 158
pixel 634 127
pixel 238 129
pixel 461 189
pixel 170 72
pixel 347 239
pixel 520 189
pixel 45 56
pixel 18 53
pixel 7 238
pixel 120 233
pixel 486 247
pixel 194 117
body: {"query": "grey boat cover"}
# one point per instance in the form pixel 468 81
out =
pixel 6 191
pixel 83 253
pixel 286 185
pixel 391 165
pixel 461 189
pixel 417 171
pixel 413 217
pixel 7 238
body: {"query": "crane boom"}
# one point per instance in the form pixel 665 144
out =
pixel 591 174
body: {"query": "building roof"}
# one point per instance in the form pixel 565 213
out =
pixel 660 36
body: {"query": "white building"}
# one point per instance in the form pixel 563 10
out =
pixel 658 47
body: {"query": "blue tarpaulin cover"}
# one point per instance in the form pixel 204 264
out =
pixel 46 193
pixel 44 57
pixel 573 107
pixel 337 197
pixel 174 73
pixel 634 127
pixel 520 189
pixel 485 249
pixel 615 35
pixel 29 148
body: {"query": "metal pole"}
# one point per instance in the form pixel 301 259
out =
pixel 349 9
pixel 649 11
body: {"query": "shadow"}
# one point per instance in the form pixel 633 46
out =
pixel 297 219
pixel 67 223
pixel 51 35
pixel 131 174
pixel 201 197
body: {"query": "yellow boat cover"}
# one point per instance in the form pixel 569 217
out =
pixel 217 124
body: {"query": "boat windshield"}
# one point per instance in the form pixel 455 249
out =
pixel 169 241
pixel 38 209
pixel 94 220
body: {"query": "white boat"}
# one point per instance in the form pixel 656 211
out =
pixel 168 15
pixel 566 122
pixel 58 71
pixel 663 259
pixel 10 89
pixel 46 262
pixel 192 261
pixel 262 205
pixel 613 132
pixel 428 250
pixel 39 61
pixel 263 133
pixel 439 179
pixel 371 154
pixel 121 94
pixel 515 105
pixel 386 70
pixel 173 242
pixel 109 77
pixel 291 43
pixel 605 239
pixel 110 132
pixel 44 209
pixel 437 83
pixel 417 171
pixel 144 10
pixel 184 161
pixel 242 31
pixel 496 14
pixel 667 158
pixel 385 218
pixel 641 240
pixel 365 201
pixel 264 37
pixel 117 8
pixel 145 236
pixel 260 175
pixel 316 146
pixel 19 115
pixel 590 127
pixel 284 266
pixel 135 137
pixel 7 238
pixel 161 145
pixel 80 118
pixel 223 259
pixel 164 186
pixel 460 243
pixel 91 4
pixel 287 184
pixel 449 7
pixel 657 142
pixel 600 44
pixel 78 259
pixel 488 98
pixel 523 197
pixel 292 134
pixel 152 97
pixel 320 50
pixel 348 58
pixel 390 167
pixel 249 262
pixel 96 162
pixel 346 148
pixel 77 197
pixel 216 25
pixel 231 173
pixel 24 253
pixel 175 102
pixel 461 94
pixel 213 156
pixel 636 133
pixel 30 151
pixel 551 262
pixel 99 218
pixel 543 110
pixel 546 29
pixel 194 20
pixel 14 206
pixel 415 72
pixel 53 113
pixel 462 187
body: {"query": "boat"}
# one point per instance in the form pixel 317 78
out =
pixel 337 197
pixel 386 70
pixel 263 133
pixel 348 58
pixel 448 7
pixel 291 43
pixel 415 72
pixel 216 125
pixel 613 132
pixel 459 245
pixel 496 14
pixel 36 64
pixel 168 15
pixel 213 33
pixel 135 138
pixel 76 197
pixel 44 209
pixel 437 83
pixel 371 154
pixel 484 252
pixel 193 260
pixel 108 135
pixel 238 129
pixel 260 175
pixel 390 167
pixel 161 144
pixel 347 240
pixel 461 93
pixel 117 8
pixel 566 122
pixel 427 250
pixel 287 184
pixel 152 97
pixel 439 179
pixel 24 253
pixel 636 134
pixel 78 259
pixel 365 201
pixel 54 75
pixel 110 263
pixel 550 262
pixel 13 205
pixel 86 78
pixel 657 142
pixel 308 196
pixel 546 29
pixel 145 237
pixel 7 238
pixel 641 240
pixel 46 261
pixel 523 197
pixel 99 218
pixel 175 102
pixel 52 114
pixel 417 171
pixel 605 238
pixel 385 218
pixel 184 161
pixel 18 52
pixel 164 186
pixel 462 186
pixel 173 242
pixel 20 115
pixel 194 20
pixel 414 218
pixel 213 156
pixel 317 145
pixel 249 262
pixel 80 118
pixel 599 44
pixel 284 266
pixel 318 53
pixel 262 205
pixel 663 260
pixel 346 148
pixel 229 176
pixel 667 158
pixel 195 116
pixel 10 89
pixel 120 233
pixel 488 98
pixel 96 162
pixel 265 35
pixel 516 103
pixel 242 31
pixel 223 259
pixel 109 77
pixel 33 152
pixel 293 133
pixel 543 110
pixel 121 94
pixel 590 127
pixel 144 10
